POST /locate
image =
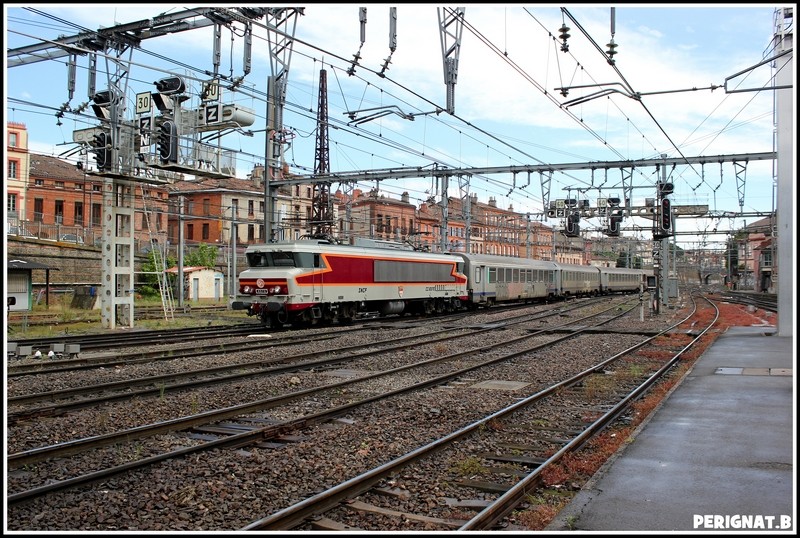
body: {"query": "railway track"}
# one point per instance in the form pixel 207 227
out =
pixel 514 453
pixel 244 435
pixel 140 313
pixel 764 301
pixel 272 426
pixel 52 403
pixel 151 337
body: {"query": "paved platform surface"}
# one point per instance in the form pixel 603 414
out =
pixel 717 456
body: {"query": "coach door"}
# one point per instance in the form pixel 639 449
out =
pixel 479 282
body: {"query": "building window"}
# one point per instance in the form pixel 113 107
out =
pixel 59 211
pixel 12 169
pixel 12 203
pixel 12 139
pixel 59 184
pixel 38 209
pixel 190 232
pixel 235 205
pixel 205 231
pixel 251 233
pixel 250 206
pixel 97 212
pixel 78 216
pixel 38 182
pixel 206 206
pixel 261 207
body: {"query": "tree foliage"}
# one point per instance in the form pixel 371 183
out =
pixel 201 256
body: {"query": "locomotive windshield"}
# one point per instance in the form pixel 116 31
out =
pixel 282 259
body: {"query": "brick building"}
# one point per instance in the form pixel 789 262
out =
pixel 16 169
pixel 62 198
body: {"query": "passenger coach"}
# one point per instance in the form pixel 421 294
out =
pixel 622 280
pixel 498 279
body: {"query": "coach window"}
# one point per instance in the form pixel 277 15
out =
pixel 478 275
pixel 492 275
pixel 515 275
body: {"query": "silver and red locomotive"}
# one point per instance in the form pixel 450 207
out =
pixel 305 282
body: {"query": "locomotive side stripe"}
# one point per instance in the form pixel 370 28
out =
pixel 360 270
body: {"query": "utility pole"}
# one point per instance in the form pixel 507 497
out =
pixel 321 213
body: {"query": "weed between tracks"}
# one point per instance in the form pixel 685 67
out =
pixel 561 482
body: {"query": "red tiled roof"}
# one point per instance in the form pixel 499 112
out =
pixel 185 269
pixel 45 166
pixel 214 184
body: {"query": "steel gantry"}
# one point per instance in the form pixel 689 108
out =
pixel 118 143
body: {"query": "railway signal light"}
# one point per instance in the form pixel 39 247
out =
pixel 168 142
pixel 101 104
pixel 666 216
pixel 170 85
pixel 101 143
pixel 665 189
pixel 573 225
pixel 614 222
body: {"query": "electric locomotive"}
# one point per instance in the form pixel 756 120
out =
pixel 307 282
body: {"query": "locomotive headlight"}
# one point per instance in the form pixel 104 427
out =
pixel 246 289
pixel 276 289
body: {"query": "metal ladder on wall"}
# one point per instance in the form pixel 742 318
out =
pixel 160 262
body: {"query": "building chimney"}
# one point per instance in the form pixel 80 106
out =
pixel 257 175
pixel 404 198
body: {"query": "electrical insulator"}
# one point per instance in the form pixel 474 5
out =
pixel 611 51
pixel 564 35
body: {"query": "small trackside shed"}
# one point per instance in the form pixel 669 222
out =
pixel 201 283
pixel 19 289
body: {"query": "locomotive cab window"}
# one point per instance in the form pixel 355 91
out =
pixel 306 259
pixel 257 259
pixel 283 259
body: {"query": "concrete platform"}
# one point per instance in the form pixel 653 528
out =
pixel 718 455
